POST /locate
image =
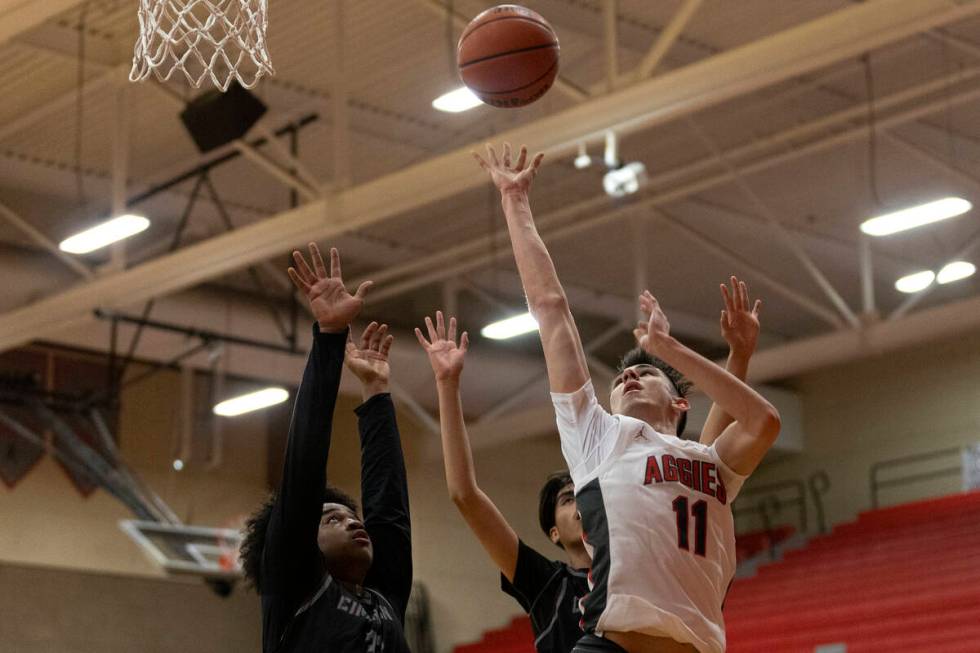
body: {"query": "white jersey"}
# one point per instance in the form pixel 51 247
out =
pixel 657 521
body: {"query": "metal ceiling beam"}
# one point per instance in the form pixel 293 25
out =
pixel 787 54
pixel 480 251
pixel 60 103
pixel 19 16
pixel 776 225
pixel 841 347
pixel 79 268
pixel 667 37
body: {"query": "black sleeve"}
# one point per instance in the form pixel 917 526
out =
pixel 384 492
pixel 290 558
pixel 531 575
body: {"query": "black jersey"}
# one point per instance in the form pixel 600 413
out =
pixel 549 591
pixel 302 608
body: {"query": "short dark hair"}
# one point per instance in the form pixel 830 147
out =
pixel 639 356
pixel 548 500
pixel 253 535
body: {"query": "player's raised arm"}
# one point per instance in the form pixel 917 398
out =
pixel 743 443
pixel 490 527
pixel 384 488
pixel 289 552
pixel 563 353
pixel 740 329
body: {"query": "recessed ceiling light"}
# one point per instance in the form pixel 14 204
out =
pixel 912 283
pixel 916 216
pixel 252 401
pixel 104 234
pixel 955 271
pixel 462 99
pixel 511 327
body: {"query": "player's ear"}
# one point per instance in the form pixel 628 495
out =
pixel 554 536
pixel 681 404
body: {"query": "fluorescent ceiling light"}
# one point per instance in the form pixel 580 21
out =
pixel 104 234
pixel 915 282
pixel 955 271
pixel 178 464
pixel 917 216
pixel 251 401
pixel 462 99
pixel 511 327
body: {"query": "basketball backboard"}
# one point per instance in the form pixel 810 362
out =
pixel 210 553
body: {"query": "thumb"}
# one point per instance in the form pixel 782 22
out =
pixel 757 307
pixel 363 289
pixel 464 341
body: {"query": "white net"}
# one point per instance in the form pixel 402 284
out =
pixel 220 40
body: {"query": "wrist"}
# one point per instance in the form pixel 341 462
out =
pixel 739 356
pixel 659 344
pixel 514 195
pixel 372 387
pixel 327 327
pixel 448 382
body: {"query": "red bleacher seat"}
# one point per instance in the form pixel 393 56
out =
pixel 899 579
pixel 517 637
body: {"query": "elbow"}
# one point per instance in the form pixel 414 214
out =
pixel 552 302
pixel 462 497
pixel 769 424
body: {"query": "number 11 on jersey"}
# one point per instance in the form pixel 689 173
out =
pixel 700 512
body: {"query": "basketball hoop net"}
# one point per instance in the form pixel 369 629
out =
pixel 221 39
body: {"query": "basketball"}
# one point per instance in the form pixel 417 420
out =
pixel 508 56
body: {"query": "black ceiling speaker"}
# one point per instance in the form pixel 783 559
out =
pixel 215 118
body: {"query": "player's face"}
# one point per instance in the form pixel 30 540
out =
pixel 567 520
pixel 343 541
pixel 640 385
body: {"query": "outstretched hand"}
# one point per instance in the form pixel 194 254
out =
pixel 445 356
pixel 655 329
pixel 506 177
pixel 739 323
pixel 332 306
pixel 369 360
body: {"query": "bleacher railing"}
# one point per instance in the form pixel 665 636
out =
pixel 913 464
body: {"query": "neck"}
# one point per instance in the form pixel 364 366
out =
pixel 578 557
pixel 659 419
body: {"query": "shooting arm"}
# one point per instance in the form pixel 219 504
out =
pixel 563 352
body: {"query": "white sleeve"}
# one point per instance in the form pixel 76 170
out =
pixel 587 431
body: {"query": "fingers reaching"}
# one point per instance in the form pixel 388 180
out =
pixel 479 159
pixel 757 307
pixel 422 341
pixel 317 258
pixel 432 329
pixel 298 280
pixel 440 326
pixel 368 334
pixel 304 271
pixel 727 297
pixel 335 264
pixel 386 345
pixel 451 336
pixel 492 156
pixel 507 155
pixel 464 341
pixel 363 289
pixel 521 159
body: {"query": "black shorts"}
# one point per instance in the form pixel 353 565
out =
pixel 593 644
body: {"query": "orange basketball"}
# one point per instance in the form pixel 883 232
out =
pixel 508 56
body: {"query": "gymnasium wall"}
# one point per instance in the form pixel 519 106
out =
pixel 907 402
pixel 51 536
pixel 904 403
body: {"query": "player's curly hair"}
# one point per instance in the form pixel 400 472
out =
pixel 257 525
pixel 681 386
pixel 548 500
